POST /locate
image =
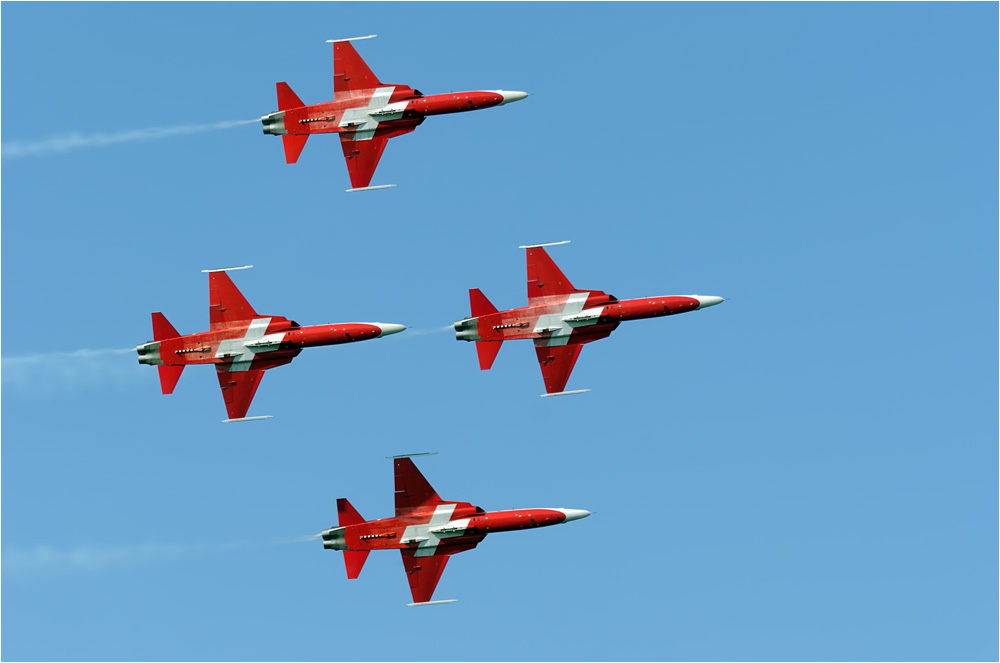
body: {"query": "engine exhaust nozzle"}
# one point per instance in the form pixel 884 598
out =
pixel 274 123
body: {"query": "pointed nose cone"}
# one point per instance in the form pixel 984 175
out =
pixel 389 328
pixel 510 97
pixel 704 301
pixel 573 514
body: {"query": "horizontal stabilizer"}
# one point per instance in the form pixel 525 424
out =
pixel 347 514
pixel 422 453
pixel 286 98
pixel 169 375
pixel 354 560
pixel 162 330
pixel 293 146
pixel 410 605
pixel 487 351
pixel 263 416
pixel 480 304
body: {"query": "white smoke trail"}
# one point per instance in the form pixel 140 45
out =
pixel 42 560
pixel 76 141
pixel 51 370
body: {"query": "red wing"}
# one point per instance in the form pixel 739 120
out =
pixel 423 573
pixel 350 73
pixel 556 362
pixel 238 388
pixel 412 489
pixel 544 277
pixel 226 304
pixel 362 157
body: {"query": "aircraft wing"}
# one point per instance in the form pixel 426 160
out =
pixel 412 489
pixel 423 573
pixel 363 155
pixel 238 388
pixel 544 276
pixel 226 304
pixel 557 361
pixel 350 73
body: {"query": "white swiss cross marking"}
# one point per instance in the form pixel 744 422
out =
pixel 428 541
pixel 556 323
pixel 362 119
pixel 237 347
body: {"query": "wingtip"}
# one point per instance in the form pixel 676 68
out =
pixel 566 393
pixel 410 605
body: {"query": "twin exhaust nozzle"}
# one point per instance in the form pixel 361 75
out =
pixel 333 539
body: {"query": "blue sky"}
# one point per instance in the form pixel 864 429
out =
pixel 808 471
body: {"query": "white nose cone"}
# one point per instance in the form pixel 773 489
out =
pixel 510 97
pixel 388 328
pixel 704 301
pixel 573 514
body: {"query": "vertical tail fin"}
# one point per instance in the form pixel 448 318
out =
pixel 286 98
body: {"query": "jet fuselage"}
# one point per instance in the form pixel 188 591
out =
pixel 265 340
pixel 581 313
pixel 386 107
pixel 448 525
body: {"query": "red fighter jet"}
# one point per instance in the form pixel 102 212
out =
pixel 560 319
pixel 241 343
pixel 365 112
pixel 427 529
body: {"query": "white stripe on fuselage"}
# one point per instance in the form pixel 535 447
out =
pixel 428 541
pixel 361 116
pixel 556 323
pixel 237 347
